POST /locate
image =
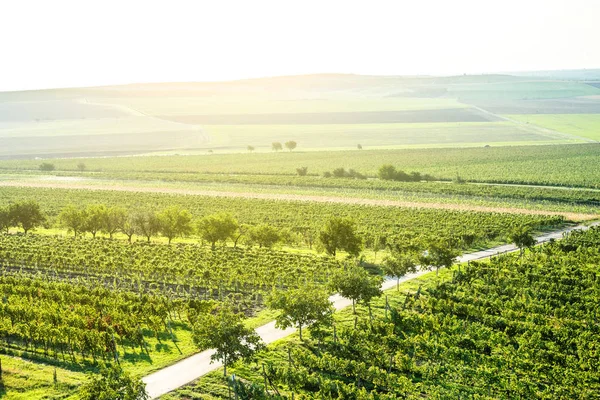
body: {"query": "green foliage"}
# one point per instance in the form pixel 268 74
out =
pixel 302 171
pixel 96 215
pixel 264 235
pixel 438 254
pixel 5 219
pixel 355 283
pixel 146 224
pixel 47 166
pixel 174 222
pixel 114 221
pixel 307 305
pixel 276 146
pixel 74 219
pixel 217 228
pixel 291 145
pixel 399 264
pixel 26 214
pixel 339 234
pixel 342 173
pixel 114 384
pixel 522 237
pixel 224 331
pixel 388 172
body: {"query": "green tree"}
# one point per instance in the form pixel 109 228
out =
pixel 74 219
pixel 26 214
pixel 522 238
pixel 217 228
pixel 114 384
pixel 290 145
pixel 250 148
pixel 96 215
pixel 439 254
pixel 174 222
pixel 398 265
pixel 146 224
pixel 113 220
pixel 303 306
pixel 47 166
pixel 387 172
pixel 5 219
pixel 264 235
pixel 339 234
pixel 128 226
pixel 302 171
pixel 225 331
pixel 81 166
pixel 356 284
pixel 276 146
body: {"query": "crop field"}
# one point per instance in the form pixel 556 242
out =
pixel 480 331
pixel 583 125
pixel 321 111
pixel 567 165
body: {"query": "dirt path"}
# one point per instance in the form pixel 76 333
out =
pixel 571 216
pixel 193 367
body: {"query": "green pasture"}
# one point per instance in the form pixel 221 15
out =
pixel 583 125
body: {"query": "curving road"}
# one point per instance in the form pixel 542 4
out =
pixel 191 368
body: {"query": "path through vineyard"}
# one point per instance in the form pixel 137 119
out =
pixel 571 216
pixel 191 368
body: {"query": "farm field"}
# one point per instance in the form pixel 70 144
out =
pixel 566 165
pixel 583 125
pixel 143 224
pixel 460 324
pixel 321 111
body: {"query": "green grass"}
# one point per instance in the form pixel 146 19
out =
pixel 27 380
pixel 583 125
pixel 517 90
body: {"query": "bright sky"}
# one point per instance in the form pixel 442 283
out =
pixel 61 43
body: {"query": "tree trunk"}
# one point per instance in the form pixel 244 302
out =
pixel 353 307
pixel 300 330
pixel 398 283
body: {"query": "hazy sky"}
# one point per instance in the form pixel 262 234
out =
pixel 59 43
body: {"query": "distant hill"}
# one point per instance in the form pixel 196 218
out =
pixel 318 111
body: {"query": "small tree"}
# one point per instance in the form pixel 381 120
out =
pixel 128 226
pixel 291 145
pixel 250 148
pixel 175 222
pixel 81 167
pixel 96 215
pixel 304 306
pixel 114 220
pixel 26 214
pixel 522 238
pixel 355 283
pixel 114 384
pixel 439 254
pixel 74 219
pixel 398 265
pixel 225 331
pixel 339 234
pixel 5 219
pixel 276 146
pixel 264 235
pixel 146 224
pixel 359 146
pixel 217 228
pixel 47 166
pixel 302 171
pixel 387 172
